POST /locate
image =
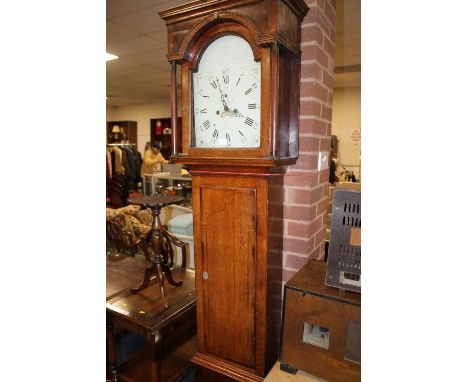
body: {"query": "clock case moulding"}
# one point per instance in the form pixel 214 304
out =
pixel 272 29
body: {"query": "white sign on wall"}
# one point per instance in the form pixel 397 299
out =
pixel 356 137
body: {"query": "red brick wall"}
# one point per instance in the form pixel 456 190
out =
pixel 306 189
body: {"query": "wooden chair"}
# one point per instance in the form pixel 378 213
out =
pixel 116 196
pixel 119 240
pixel 172 212
pixel 168 241
pixel 118 191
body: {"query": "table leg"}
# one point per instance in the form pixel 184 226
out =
pixel 161 277
pixel 168 274
pixel 149 272
pixel 112 374
pixel 156 364
pixel 155 269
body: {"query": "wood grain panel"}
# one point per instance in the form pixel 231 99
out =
pixel 228 220
pixel 308 300
pixel 330 363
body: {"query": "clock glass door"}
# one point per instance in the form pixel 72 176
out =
pixel 226 96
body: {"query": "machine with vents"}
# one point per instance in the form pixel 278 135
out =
pixel 344 252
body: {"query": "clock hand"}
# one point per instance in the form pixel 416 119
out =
pixel 226 108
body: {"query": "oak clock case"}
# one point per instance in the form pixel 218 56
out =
pixel 240 72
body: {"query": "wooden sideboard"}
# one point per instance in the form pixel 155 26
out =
pixel 321 327
pixel 167 331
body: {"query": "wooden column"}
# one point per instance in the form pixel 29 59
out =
pixel 274 98
pixel 175 132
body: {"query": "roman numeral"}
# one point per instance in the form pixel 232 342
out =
pixel 237 83
pixel 206 96
pixel 248 121
pixel 228 139
pixel 226 79
pixel 203 111
pixel 206 125
pixel 252 105
pixel 254 86
pixel 213 84
pixel 215 136
pixel 243 139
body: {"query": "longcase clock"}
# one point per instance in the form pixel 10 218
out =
pixel 240 72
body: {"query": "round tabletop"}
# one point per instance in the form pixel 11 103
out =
pixel 155 201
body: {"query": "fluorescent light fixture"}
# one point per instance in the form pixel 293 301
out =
pixel 111 56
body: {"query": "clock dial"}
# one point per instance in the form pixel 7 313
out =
pixel 226 96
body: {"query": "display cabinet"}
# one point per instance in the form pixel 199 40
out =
pixel 122 132
pixel 161 131
pixel 167 183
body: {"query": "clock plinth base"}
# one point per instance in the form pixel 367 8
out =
pixel 214 369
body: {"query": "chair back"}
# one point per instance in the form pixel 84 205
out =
pixel 117 240
pixel 118 191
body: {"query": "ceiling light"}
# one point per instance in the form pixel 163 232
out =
pixel 111 56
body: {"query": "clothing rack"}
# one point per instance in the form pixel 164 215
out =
pixel 123 158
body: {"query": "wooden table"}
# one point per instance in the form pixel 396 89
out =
pixel 123 273
pixel 143 313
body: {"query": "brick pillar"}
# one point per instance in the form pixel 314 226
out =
pixel 305 188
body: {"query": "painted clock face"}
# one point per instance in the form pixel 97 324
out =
pixel 226 96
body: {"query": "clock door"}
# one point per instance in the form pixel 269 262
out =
pixel 227 303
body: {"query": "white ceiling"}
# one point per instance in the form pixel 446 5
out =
pixel 348 43
pixel 137 34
